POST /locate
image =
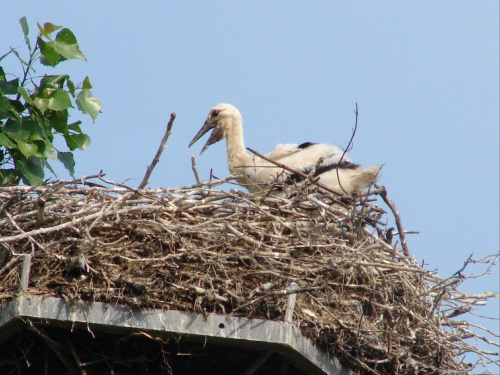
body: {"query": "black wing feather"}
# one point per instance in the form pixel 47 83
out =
pixel 306 145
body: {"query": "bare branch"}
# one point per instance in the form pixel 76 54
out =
pixel 349 145
pixel 397 218
pixel 156 159
pixel 195 170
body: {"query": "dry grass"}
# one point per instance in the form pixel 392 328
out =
pixel 203 250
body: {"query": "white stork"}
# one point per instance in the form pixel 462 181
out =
pixel 336 171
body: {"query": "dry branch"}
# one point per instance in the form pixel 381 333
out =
pixel 349 144
pixel 162 146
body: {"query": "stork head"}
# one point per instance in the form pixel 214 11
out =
pixel 221 119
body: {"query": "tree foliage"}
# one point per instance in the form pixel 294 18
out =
pixel 36 109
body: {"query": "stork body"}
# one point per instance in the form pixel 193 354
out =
pixel 335 171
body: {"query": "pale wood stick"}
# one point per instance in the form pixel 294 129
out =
pixel 156 159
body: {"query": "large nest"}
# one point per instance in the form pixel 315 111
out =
pixel 359 296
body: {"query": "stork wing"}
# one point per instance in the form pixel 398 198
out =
pixel 283 150
pixel 302 158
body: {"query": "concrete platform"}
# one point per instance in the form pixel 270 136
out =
pixel 262 336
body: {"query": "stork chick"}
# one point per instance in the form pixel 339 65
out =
pixel 336 171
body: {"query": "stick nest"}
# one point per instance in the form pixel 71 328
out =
pixel 201 250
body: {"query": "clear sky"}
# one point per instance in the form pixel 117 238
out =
pixel 425 76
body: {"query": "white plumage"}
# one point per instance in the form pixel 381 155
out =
pixel 259 175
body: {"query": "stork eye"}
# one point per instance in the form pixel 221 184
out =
pixel 214 113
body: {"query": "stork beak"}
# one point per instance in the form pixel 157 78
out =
pixel 215 137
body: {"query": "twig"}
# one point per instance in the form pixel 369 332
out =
pixel 31 60
pixel 397 217
pixel 241 307
pixel 283 166
pixel 14 198
pixel 156 159
pixel 82 180
pixel 195 170
pixel 57 227
pixel 56 347
pixel 31 239
pixel 349 145
pixel 72 349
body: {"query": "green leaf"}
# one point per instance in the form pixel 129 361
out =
pixel 24 94
pixel 86 84
pixel 88 104
pixel 82 141
pixel 48 57
pixel 26 30
pixel 20 130
pixel 5 106
pixel 69 163
pixel 15 112
pixel 36 136
pixel 46 150
pixel 75 127
pixel 31 170
pixel 71 87
pixel 41 103
pixel 67 46
pixel 46 164
pixel 48 92
pixel 9 177
pixel 50 27
pixel 58 120
pixel 6 141
pixel 52 82
pixel 47 29
pixel 70 142
pixel 45 128
pixel 42 31
pixel 27 149
pixel 9 87
pixel 59 100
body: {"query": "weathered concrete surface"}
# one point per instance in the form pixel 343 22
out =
pixel 279 337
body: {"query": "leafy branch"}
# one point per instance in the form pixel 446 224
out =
pixel 32 113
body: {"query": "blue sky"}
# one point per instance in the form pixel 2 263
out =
pixel 424 74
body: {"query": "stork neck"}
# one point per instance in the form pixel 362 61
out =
pixel 236 152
